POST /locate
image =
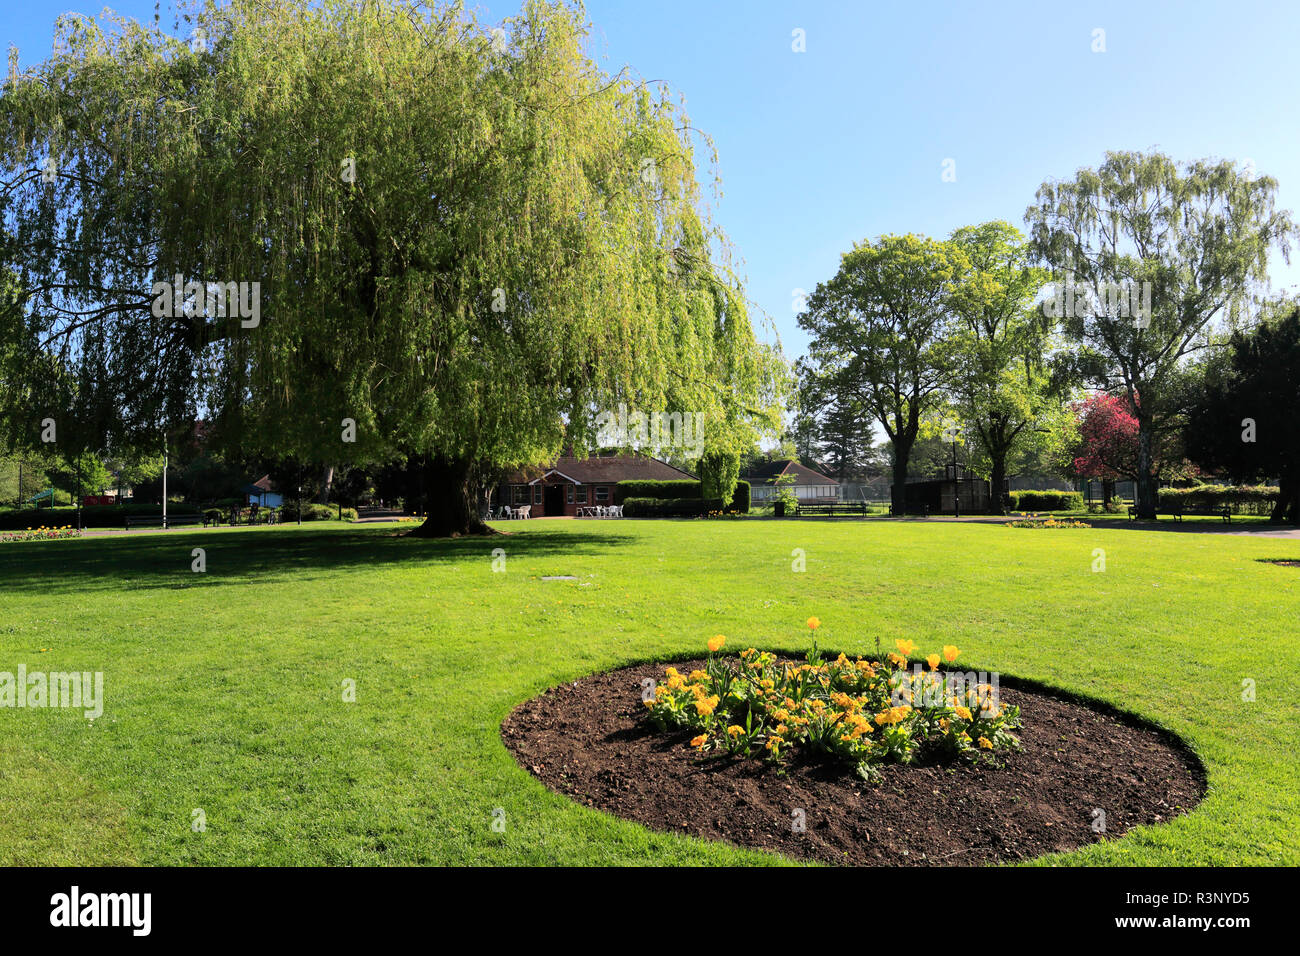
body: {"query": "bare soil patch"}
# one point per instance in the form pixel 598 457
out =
pixel 590 741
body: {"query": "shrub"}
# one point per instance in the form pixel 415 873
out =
pixel 310 512
pixel 685 488
pixel 1239 499
pixel 94 516
pixel 740 499
pixel 861 713
pixel 677 490
pixel 670 507
pixel 1046 501
pixel 213 516
pixel 349 514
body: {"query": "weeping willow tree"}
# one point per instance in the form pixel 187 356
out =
pixel 344 232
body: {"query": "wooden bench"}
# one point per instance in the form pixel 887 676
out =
pixel 1178 513
pixel 830 509
pixel 158 521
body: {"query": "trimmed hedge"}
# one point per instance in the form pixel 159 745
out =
pixel 683 488
pixel 1046 501
pixel 678 490
pixel 94 516
pixel 670 507
pixel 1239 499
pixel 740 499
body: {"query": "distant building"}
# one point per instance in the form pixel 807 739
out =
pixel 262 493
pixel 809 485
pixel 568 483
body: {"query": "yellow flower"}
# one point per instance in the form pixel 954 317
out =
pixel 950 653
pixel 962 712
pixel 813 623
pixel 904 647
pixel 716 642
pixel 986 743
pixel 699 742
pixel 699 676
pixel 735 730
pixel 933 661
pixel 705 707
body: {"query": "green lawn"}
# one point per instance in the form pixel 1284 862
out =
pixel 224 689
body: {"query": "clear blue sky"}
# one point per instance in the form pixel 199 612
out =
pixel 847 140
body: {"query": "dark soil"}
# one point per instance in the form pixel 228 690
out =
pixel 590 741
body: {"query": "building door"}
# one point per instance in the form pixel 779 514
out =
pixel 553 500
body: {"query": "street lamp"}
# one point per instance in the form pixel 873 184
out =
pixel 951 434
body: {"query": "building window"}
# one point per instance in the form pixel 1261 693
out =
pixel 519 494
pixel 537 493
pixel 568 495
pixel 602 493
pixel 582 494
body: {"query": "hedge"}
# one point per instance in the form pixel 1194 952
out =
pixel 687 488
pixel 670 507
pixel 93 516
pixel 684 488
pixel 1046 501
pixel 314 512
pixel 1239 499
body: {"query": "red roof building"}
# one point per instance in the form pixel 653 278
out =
pixel 808 485
pixel 569 483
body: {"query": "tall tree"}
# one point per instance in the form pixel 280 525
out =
pixel 1246 421
pixel 1002 386
pixel 395 233
pixel 880 333
pixel 1180 244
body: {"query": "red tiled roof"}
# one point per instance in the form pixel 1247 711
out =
pixel 604 469
pixel 767 473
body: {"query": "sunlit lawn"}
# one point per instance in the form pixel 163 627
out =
pixel 225 688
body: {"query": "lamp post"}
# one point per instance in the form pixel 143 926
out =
pixel 952 433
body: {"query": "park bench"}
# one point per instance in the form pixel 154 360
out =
pixel 1178 513
pixel 158 521
pixel 830 509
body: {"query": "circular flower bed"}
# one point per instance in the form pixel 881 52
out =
pixel 1079 774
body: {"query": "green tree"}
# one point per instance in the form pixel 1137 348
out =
pixel 1148 253
pixel 1003 389
pixel 880 333
pixel 395 233
pixel 1246 420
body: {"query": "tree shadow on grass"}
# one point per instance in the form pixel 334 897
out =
pixel 164 560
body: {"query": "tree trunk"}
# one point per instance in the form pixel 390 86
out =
pixel 1287 509
pixel 998 481
pixel 1145 496
pixel 1107 493
pixel 451 509
pixel 327 481
pixel 898 491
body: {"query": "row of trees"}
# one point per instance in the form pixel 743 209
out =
pixel 1132 274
